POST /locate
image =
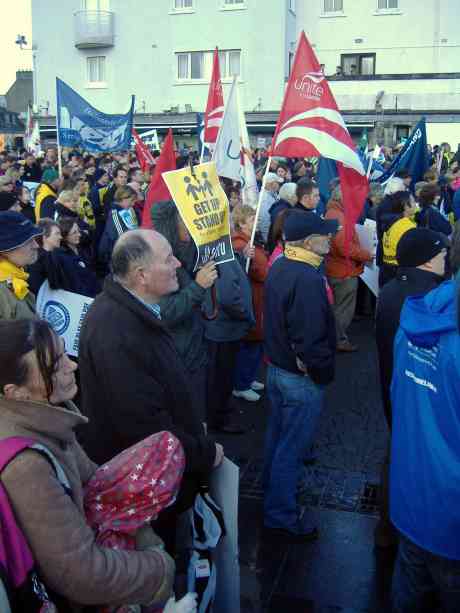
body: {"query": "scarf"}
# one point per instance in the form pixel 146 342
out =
pixel 16 276
pixel 299 254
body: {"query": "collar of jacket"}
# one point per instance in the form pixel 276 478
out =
pixel 123 297
pixel 299 254
pixel 64 211
pixel 40 419
pixel 409 274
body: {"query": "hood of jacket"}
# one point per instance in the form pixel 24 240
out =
pixel 425 318
pixel 39 420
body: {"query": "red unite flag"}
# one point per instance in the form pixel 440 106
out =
pixel 215 106
pixel 143 153
pixel 310 124
pixel 158 190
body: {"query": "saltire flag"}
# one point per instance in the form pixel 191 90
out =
pixel 81 125
pixel 158 191
pixel 215 105
pixel 200 137
pixel 143 154
pixel 413 157
pixel 310 124
pixel 249 190
pixel 227 151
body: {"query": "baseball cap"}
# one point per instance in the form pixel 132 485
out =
pixel 418 246
pixel 15 231
pixel 300 224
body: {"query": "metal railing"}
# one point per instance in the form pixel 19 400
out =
pixel 94 29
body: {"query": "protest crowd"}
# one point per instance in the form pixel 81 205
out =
pixel 105 449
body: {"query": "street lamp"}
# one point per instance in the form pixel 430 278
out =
pixel 22 42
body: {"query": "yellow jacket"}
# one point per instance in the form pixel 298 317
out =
pixel 391 239
pixel 43 191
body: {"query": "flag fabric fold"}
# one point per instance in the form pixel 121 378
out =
pixel 158 190
pixel 81 125
pixel 310 124
pixel 143 153
pixel 249 189
pixel 227 151
pixel 215 105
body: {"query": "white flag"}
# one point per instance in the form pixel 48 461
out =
pixel 227 153
pixel 249 191
pixel 34 145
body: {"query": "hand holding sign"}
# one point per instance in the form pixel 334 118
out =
pixel 206 276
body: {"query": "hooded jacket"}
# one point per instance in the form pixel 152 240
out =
pixel 425 396
pixel 181 311
pixel 337 264
pixel 45 197
pixel 63 545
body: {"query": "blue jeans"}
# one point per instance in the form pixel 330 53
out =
pixel 418 572
pixel 296 404
pixel 247 364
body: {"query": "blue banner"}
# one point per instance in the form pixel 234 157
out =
pixel 81 125
pixel 413 157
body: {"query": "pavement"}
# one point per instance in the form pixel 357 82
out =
pixel 341 572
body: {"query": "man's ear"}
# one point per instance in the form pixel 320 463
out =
pixel 11 391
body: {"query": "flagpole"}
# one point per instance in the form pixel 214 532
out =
pixel 369 166
pixel 256 219
pixel 202 151
pixel 59 148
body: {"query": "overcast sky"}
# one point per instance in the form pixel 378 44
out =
pixel 16 19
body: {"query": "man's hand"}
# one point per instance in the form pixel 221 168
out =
pixel 249 251
pixel 206 276
pixel 219 455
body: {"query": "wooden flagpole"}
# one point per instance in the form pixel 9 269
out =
pixel 259 202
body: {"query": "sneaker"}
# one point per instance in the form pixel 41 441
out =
pixel 248 395
pixel 257 386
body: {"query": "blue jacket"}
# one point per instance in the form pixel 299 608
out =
pixel 118 222
pixel 430 217
pixel 456 205
pixel 235 315
pixel 298 320
pixel 425 396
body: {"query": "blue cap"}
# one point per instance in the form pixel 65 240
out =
pixel 15 231
pixel 300 224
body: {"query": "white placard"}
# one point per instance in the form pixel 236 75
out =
pixel 224 489
pixel 65 312
pixel 367 235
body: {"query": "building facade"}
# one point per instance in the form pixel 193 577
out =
pixel 20 95
pixel 388 61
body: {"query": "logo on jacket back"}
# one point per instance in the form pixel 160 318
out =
pixel 57 315
pixel 309 86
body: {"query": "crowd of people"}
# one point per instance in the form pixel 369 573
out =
pixel 163 348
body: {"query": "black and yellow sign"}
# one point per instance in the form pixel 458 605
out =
pixel 203 206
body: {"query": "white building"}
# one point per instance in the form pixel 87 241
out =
pixel 405 58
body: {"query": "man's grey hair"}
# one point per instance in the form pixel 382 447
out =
pixel 288 192
pixel 130 250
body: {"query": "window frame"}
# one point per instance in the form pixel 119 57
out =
pixel 181 11
pixel 292 6
pixel 98 2
pixel 233 5
pixel 225 74
pixel 333 13
pixel 101 84
pixel 388 11
pixel 359 56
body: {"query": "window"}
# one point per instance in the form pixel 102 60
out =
pixel 358 64
pixel 230 2
pixel 333 6
pixel 96 69
pixel 181 5
pixel 387 5
pixel 96 5
pixel 197 65
pixel 233 4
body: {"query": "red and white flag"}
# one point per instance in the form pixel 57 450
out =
pixel 158 190
pixel 143 153
pixel 215 106
pixel 310 124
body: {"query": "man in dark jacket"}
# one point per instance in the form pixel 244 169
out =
pixel 134 382
pixel 300 342
pixel 120 179
pixel 421 255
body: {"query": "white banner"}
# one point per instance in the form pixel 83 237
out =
pixel 367 235
pixel 227 154
pixel 65 312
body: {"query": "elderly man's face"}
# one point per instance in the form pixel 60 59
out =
pixel 161 278
pixel 25 255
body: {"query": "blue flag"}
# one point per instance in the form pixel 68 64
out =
pixel 81 125
pixel 413 157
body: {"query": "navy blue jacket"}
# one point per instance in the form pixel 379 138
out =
pixel 430 217
pixel 298 320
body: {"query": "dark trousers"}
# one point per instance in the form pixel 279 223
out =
pixel 222 360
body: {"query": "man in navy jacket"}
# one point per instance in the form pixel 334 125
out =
pixel 300 342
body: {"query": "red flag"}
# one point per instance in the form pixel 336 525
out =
pixel 215 105
pixel 143 153
pixel 310 124
pixel 158 190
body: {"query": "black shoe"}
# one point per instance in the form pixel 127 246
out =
pixel 293 538
pixel 230 428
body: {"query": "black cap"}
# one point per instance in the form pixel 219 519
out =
pixel 418 246
pixel 7 200
pixel 299 225
pixel 15 231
